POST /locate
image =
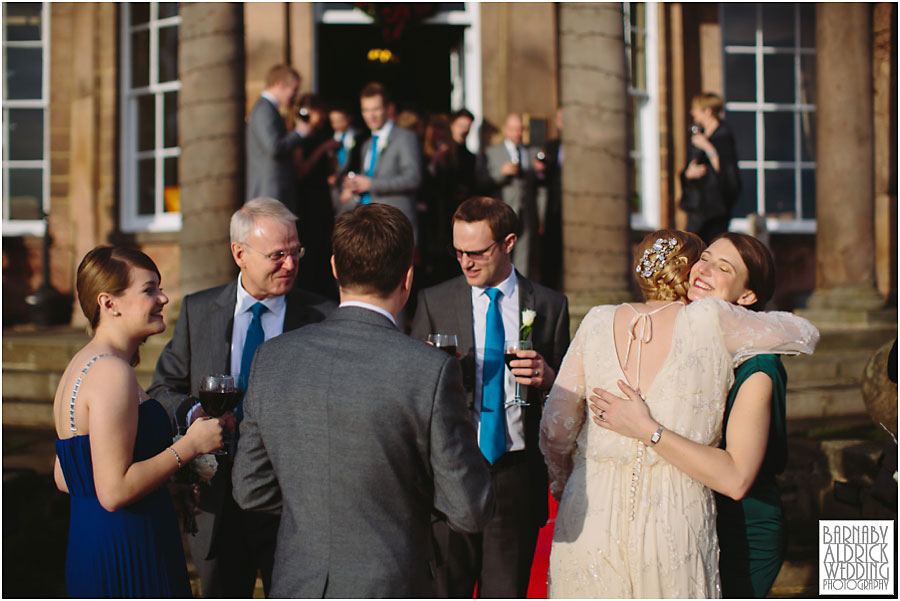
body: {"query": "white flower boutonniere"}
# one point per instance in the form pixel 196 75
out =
pixel 528 316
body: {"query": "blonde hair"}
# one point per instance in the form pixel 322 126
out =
pixel 708 100
pixel 668 278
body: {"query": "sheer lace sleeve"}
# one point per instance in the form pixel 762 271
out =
pixel 564 412
pixel 747 333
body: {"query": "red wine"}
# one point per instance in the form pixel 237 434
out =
pixel 449 349
pixel 215 403
pixel 509 357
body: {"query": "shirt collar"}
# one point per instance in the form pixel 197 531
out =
pixel 384 132
pixel 370 307
pixel 245 300
pixel 507 286
pixel 270 98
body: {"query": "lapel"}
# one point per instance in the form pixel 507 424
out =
pixel 221 320
pixel 462 309
pixel 379 160
pixel 295 313
pixel 526 300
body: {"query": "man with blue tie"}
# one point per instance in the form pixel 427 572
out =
pixel 484 307
pixel 391 159
pixel 217 332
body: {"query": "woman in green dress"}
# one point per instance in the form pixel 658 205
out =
pixel 739 269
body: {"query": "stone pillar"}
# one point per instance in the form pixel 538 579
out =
pixel 845 252
pixel 596 249
pixel 211 127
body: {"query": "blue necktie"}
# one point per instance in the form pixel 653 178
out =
pixel 365 198
pixel 342 152
pixel 255 337
pixel 493 411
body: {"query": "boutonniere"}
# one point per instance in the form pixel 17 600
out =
pixel 528 316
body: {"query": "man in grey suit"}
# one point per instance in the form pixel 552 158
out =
pixel 357 434
pixel 507 172
pixel 391 159
pixel 211 337
pixel 270 145
pixel 489 296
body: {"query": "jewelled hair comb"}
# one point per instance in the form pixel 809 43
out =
pixel 655 257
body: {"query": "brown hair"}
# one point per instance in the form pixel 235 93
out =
pixel 668 279
pixel 375 89
pixel 760 266
pixel 500 216
pixel 708 100
pixel 373 249
pixel 107 269
pixel 280 73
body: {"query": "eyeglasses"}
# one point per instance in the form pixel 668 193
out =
pixel 475 255
pixel 280 255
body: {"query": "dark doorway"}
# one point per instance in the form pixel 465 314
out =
pixel 417 75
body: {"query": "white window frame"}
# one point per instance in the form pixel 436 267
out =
pixel 130 220
pixel 648 115
pixel 759 165
pixel 35 227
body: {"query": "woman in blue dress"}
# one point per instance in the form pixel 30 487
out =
pixel 114 450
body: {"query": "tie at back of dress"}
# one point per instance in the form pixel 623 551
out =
pixel 640 330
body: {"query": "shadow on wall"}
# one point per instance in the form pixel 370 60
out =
pixel 17 275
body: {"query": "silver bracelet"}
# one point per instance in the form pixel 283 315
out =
pixel 177 458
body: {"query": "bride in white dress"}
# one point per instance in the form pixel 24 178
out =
pixel 629 524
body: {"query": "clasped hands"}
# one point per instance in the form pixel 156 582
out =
pixel 627 416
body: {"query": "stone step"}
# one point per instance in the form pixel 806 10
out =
pixel 833 338
pixel 825 401
pixel 832 367
pixel 797 578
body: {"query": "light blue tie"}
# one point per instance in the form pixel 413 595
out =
pixel 493 412
pixel 365 198
pixel 254 338
pixel 342 152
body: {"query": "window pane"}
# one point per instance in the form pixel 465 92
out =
pixel 739 24
pixel 23 21
pixel 170 117
pixel 808 25
pixel 634 184
pixel 778 24
pixel 638 14
pixel 140 12
pixel 140 59
pixel 635 116
pixel 168 54
pixel 26 190
pixel 746 202
pixel 807 136
pixel 639 61
pixel 778 72
pixel 780 193
pixel 171 200
pixel 26 135
pixel 740 78
pixel 743 126
pixel 168 9
pixel 23 73
pixel 779 134
pixel 145 187
pixel 808 181
pixel 807 80
pixel 146 122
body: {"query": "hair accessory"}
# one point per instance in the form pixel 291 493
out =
pixel 655 257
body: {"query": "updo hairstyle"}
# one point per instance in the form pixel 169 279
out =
pixel 760 266
pixel 668 266
pixel 107 269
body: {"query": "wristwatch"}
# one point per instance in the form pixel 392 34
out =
pixel 656 436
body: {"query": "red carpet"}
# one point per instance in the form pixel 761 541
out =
pixel 537 588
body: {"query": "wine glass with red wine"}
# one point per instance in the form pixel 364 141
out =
pixel 510 354
pixel 445 342
pixel 218 395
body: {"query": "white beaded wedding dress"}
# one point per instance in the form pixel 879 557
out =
pixel 629 524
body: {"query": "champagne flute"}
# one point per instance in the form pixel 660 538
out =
pixel 446 342
pixel 219 395
pixel 509 355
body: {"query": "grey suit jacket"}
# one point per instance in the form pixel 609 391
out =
pixel 270 171
pixel 201 345
pixel 516 191
pixel 447 308
pixel 357 434
pixel 398 172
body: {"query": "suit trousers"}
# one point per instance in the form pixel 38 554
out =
pixel 498 559
pixel 244 545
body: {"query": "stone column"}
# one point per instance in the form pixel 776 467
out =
pixel 211 127
pixel 596 249
pixel 845 252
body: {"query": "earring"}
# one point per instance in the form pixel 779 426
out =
pixel 116 313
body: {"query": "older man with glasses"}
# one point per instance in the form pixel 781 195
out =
pixel 217 332
pixel 487 305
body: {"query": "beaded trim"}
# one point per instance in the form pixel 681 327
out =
pixel 75 391
pixel 635 479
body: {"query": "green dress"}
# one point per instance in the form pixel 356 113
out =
pixel 752 531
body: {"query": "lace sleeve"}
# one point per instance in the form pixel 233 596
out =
pixel 747 333
pixel 564 413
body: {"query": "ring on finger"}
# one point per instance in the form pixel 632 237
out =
pixel 602 415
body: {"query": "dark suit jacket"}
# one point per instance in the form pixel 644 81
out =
pixel 714 195
pixel 447 308
pixel 270 171
pixel 357 434
pixel 201 345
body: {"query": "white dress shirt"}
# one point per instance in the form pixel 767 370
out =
pixel 509 310
pixel 382 134
pixel 517 152
pixel 363 305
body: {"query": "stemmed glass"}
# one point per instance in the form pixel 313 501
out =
pixel 445 342
pixel 510 354
pixel 218 395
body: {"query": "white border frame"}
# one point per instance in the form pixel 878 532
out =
pixel 35 227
